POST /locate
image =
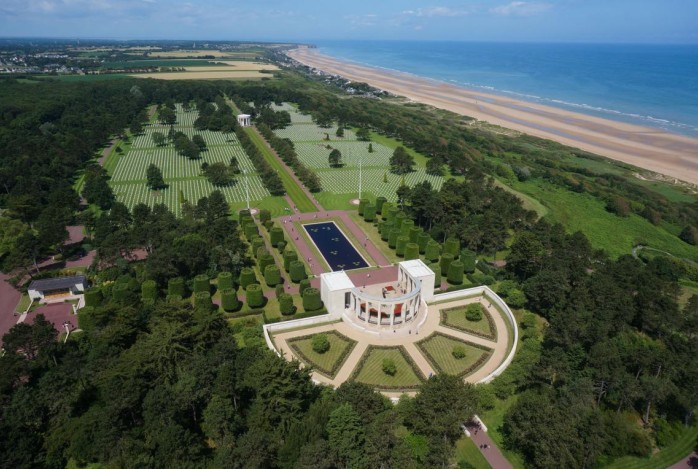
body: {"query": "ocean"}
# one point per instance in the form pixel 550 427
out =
pixel 649 85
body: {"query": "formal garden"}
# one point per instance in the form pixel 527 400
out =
pixel 388 369
pixel 450 355
pixel 324 352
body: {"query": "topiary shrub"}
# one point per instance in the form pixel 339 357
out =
pixel 311 299
pixel 297 272
pixel 247 277
pixel 272 275
pixel 380 201
pixel 436 268
pixel 458 352
pixel 225 281
pixel 257 244
pixel 455 273
pixel 406 226
pixel 400 245
pixel 264 261
pixel 286 305
pixel 201 283
pixel 280 246
pixel 389 367
pixel 262 250
pixel 276 235
pixel 362 205
pixel 385 228
pixel 303 285
pixel 93 297
pixel 175 286
pixel 452 246
pixel 473 312
pixel 369 213
pixel 173 298
pixel 250 230
pixel 411 251
pixel 289 256
pixel 399 218
pixel 432 251
pixel 422 241
pixel 279 289
pixel 467 257
pixel 264 215
pixel 268 225
pixel 446 259
pixel 255 296
pixel 415 231
pixel 390 213
pixel 229 300
pixel 243 214
pixel 321 343
pixel 392 238
pixel 149 290
pixel 202 299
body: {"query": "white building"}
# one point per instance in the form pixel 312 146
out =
pixel 245 120
pixel 56 288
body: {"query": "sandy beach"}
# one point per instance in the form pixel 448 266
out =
pixel 652 149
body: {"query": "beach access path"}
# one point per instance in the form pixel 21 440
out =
pixel 649 148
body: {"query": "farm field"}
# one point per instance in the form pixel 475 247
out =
pixel 327 363
pixel 371 372
pixel 313 150
pixel 438 348
pixel 210 75
pixel 128 177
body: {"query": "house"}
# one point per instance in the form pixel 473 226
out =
pixel 57 288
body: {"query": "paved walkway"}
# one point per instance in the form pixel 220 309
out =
pixel 405 336
pixel 488 448
pixel 9 298
pixel 689 462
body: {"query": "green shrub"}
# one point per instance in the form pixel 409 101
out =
pixel 406 226
pixel 174 298
pixel 289 256
pixel 175 286
pixel 369 213
pixel 389 367
pixel 452 246
pixel 415 231
pixel 458 352
pixel 279 289
pixel 455 273
pixel 86 318
pixel 93 297
pixel 362 205
pixel 392 238
pixel 422 241
pixel 411 251
pixel 311 299
pixel 225 281
pixel 268 225
pixel 247 277
pixel 255 296
pixel 303 285
pixel 321 343
pixel 432 251
pixel 272 275
pixel 261 250
pixel 380 201
pixel 202 299
pixel 250 230
pixel 400 244
pixel 201 283
pixel 264 261
pixel 280 246
pixel 286 304
pixel 257 244
pixel 399 218
pixel 445 263
pixel 276 235
pixel 149 290
pixel 385 228
pixel 264 215
pixel 467 257
pixel 229 300
pixel 297 272
pixel 120 293
pixel 243 214
pixel 390 212
pixel 473 312
pixel 436 268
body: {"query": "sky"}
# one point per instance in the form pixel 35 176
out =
pixel 614 21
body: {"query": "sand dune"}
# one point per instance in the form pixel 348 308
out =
pixel 653 149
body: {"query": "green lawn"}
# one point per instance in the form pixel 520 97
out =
pixel 371 372
pixel 682 447
pixel 455 318
pixel 529 203
pixel 373 234
pixel 327 363
pixel 276 205
pixel 617 235
pixel 437 350
pixel 300 199
pixel 23 304
pixel 688 289
pixel 494 419
pixel 467 451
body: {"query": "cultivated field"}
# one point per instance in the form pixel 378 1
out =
pixel 203 75
pixel 313 150
pixel 180 173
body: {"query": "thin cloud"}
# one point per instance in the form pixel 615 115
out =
pixel 518 8
pixel 436 11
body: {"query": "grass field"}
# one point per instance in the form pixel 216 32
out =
pixel 327 363
pixel 371 372
pixel 300 199
pixel 438 348
pixel 616 235
pixel 209 75
pixel 455 318
pixel 128 170
pixel 467 451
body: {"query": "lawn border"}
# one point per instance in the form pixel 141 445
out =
pixel 408 358
pixel 479 363
pixel 490 320
pixel 312 364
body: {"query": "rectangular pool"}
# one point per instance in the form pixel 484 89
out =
pixel 334 246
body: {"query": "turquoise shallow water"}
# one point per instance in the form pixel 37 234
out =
pixel 650 85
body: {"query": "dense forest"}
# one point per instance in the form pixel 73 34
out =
pixel 607 365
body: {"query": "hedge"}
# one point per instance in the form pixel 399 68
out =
pixel 286 305
pixel 264 261
pixel 175 286
pixel 446 259
pixel 297 272
pixel 202 299
pixel 303 285
pixel 369 213
pixel 406 226
pixel 468 258
pixel 310 314
pixel 250 230
pixel 415 231
pixel 391 212
pixel 432 251
pixel 362 205
pixel 380 201
pixel 257 243
pixel 229 300
pixel 311 299
pixel 255 296
pixel 289 256
pixel 247 277
pixel 149 290
pixel 120 292
pixel 422 241
pixel 272 275
pixel 411 251
pixel 400 245
pixel 452 246
pixel 225 281
pixel 392 238
pixel 455 273
pixel 436 268
pixel 93 297
pixel 400 217
pixel 202 283
pixel 264 215
pixel 276 235
pixel 86 318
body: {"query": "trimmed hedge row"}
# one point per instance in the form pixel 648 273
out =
pixel 267 174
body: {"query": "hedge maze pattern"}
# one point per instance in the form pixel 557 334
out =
pixel 180 173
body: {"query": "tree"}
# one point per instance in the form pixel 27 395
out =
pixel 335 158
pixel 234 165
pixel 219 174
pixel 362 134
pixel 154 178
pixel 340 131
pixel 401 162
pixel 346 436
pixel 690 235
pixel 199 141
pixel 435 166
pixel 167 116
pixel 158 138
pixel 370 147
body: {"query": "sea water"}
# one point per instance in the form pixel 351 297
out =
pixel 649 85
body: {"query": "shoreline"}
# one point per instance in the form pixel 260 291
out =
pixel 644 147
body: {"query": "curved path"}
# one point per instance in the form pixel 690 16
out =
pixel 405 337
